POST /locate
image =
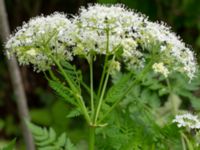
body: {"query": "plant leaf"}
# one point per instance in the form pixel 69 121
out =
pixel 9 146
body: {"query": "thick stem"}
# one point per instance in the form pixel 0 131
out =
pixel 92 138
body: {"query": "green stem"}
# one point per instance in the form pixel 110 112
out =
pixel 84 110
pixel 105 64
pixel 102 76
pixel 139 77
pixel 183 142
pixel 91 86
pixel 76 93
pixel 189 144
pixel 74 89
pixel 91 138
pixel 102 94
pixel 52 75
pixel 101 98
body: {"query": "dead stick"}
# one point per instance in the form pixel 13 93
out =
pixel 16 80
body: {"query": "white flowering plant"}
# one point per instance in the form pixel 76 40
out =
pixel 190 123
pixel 130 46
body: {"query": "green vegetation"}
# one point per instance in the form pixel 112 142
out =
pixel 84 104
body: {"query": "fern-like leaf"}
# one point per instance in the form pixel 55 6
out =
pixel 46 139
pixel 74 74
pixel 69 145
pixel 62 91
pixel 118 89
pixel 74 113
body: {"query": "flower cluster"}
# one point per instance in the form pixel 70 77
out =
pixel 160 68
pixel 187 120
pixel 103 30
pixel 37 41
pixel 174 54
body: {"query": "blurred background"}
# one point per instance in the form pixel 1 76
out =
pixel 45 108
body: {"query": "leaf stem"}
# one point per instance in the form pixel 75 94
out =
pixel 74 89
pixel 90 61
pixel 183 142
pixel 102 79
pixel 189 144
pixel 103 93
pixel 105 64
pixel 75 92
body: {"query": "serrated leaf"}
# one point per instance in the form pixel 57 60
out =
pixel 46 139
pixel 74 113
pixel 69 145
pixel 61 140
pixel 62 91
pixel 34 129
pixel 50 138
pixel 74 74
pixel 118 89
pixel 42 136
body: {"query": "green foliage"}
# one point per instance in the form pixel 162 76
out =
pixel 46 139
pixel 119 88
pixel 74 113
pixel 10 145
pixel 74 74
pixel 143 118
pixel 62 91
pixel 51 114
pixel 186 89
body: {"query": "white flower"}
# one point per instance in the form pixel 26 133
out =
pixel 172 50
pixel 36 42
pixel 187 120
pixel 160 68
pixel 103 30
